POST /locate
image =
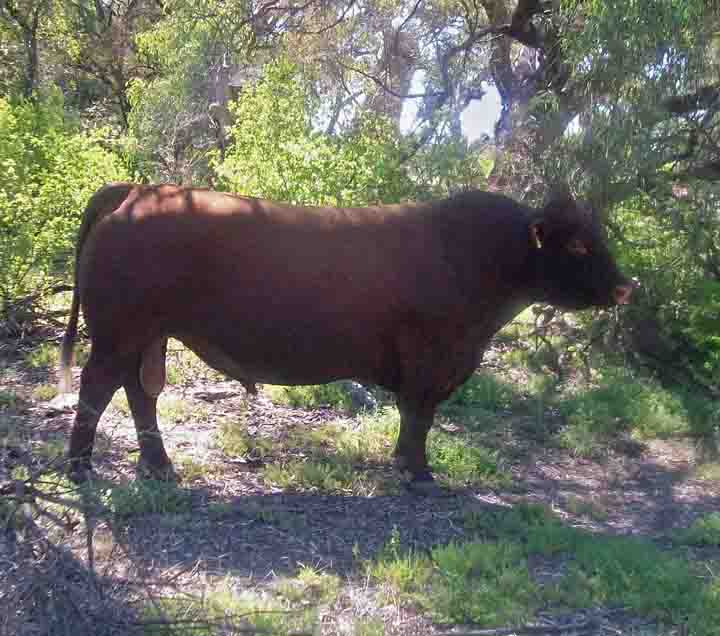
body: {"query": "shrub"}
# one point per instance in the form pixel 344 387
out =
pixel 49 170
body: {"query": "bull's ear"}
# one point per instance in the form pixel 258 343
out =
pixel 561 210
pixel 559 197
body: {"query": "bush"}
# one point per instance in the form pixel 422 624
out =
pixel 48 172
pixel 483 390
pixel 276 152
pixel 621 404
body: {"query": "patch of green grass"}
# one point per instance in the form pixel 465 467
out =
pixel 621 404
pixel 368 627
pixel 709 471
pixel 633 573
pixel 171 408
pixel 370 439
pixel 310 587
pixel 8 399
pixel 224 605
pixel 44 356
pixel 183 367
pixel 120 403
pixel 147 496
pixel 218 510
pixel 44 392
pixel 191 470
pixel 485 391
pixel 310 396
pixel 337 455
pixel 310 475
pixel 605 570
pixel 704 531
pixel 461 462
pixel 51 449
pixel 588 509
pixel 404 572
pixel 233 439
pixel 482 582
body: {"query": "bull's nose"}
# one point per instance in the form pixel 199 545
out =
pixel 621 294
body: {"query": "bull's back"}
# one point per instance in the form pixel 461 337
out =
pixel 276 285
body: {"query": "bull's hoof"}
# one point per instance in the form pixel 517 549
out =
pixel 80 471
pixel 424 484
pixel 159 472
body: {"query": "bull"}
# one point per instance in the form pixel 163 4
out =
pixel 403 296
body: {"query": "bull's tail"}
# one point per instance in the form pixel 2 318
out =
pixel 68 344
pixel 104 201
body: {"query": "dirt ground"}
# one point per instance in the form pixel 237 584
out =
pixel 264 533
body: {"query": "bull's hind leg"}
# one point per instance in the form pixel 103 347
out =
pixel 142 388
pixel 101 377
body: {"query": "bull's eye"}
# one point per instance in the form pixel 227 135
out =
pixel 577 248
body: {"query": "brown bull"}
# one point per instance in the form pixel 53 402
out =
pixel 403 296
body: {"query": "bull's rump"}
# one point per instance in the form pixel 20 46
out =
pixel 290 294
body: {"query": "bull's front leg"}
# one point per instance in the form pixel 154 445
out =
pixel 416 418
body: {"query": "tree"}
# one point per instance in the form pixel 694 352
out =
pixel 24 21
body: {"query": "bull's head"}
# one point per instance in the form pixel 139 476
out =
pixel 573 267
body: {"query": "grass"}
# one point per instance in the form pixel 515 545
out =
pixel 708 471
pixel 704 531
pixel 149 496
pixel 44 392
pixel 234 440
pixel 620 404
pixel 403 572
pixel 44 356
pixel 461 462
pixel 588 509
pixel 310 396
pixel 487 580
pixel 171 408
pixel 310 587
pixel 191 470
pixel 223 606
pixel 8 399
pixel 183 367
pixel 485 391
pixel 353 456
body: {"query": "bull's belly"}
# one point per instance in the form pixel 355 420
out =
pixel 273 361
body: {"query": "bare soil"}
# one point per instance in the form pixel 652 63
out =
pixel 262 534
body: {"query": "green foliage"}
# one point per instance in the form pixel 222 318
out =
pixel 485 391
pixel 483 583
pixel 234 440
pixel 225 605
pixel 276 152
pixel 48 171
pixel 44 392
pixel 44 356
pixel 310 396
pixel 147 496
pixel 405 571
pixel 604 570
pixel 462 461
pixel 620 404
pixel 705 530
pixel 448 166
pixel 310 586
pixel 8 399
